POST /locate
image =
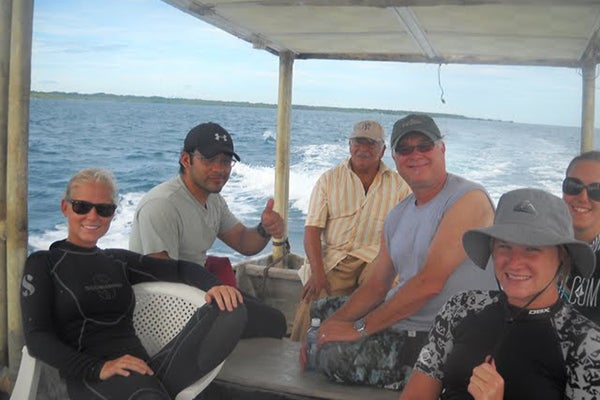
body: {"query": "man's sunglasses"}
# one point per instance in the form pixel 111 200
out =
pixel 82 207
pixel 573 186
pixel 423 147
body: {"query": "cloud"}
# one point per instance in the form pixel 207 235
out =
pixel 148 47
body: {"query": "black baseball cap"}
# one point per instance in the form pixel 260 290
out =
pixel 209 139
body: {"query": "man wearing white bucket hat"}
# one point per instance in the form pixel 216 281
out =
pixel 521 341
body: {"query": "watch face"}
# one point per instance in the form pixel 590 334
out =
pixel 359 325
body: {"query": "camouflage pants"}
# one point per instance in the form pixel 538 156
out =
pixel 384 359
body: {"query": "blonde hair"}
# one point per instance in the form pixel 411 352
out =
pixel 93 175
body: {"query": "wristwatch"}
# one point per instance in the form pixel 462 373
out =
pixel 261 231
pixel 360 327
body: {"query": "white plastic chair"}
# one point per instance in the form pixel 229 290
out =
pixel 27 379
pixel 162 310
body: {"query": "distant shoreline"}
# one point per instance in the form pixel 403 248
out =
pixel 175 100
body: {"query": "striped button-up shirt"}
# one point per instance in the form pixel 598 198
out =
pixel 351 219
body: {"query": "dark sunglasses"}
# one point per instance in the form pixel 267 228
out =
pixel 82 207
pixel 573 186
pixel 423 147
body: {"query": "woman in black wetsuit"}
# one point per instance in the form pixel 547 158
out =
pixel 581 193
pixel 77 307
pixel 522 341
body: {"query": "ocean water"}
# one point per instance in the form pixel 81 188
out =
pixel 140 144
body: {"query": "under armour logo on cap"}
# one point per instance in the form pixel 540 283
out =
pixel 222 137
pixel 209 139
pixel 526 207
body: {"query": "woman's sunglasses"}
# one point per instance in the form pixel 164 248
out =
pixel 573 186
pixel 82 207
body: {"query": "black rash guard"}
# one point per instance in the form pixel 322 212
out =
pixel 545 354
pixel 77 304
pixel 583 294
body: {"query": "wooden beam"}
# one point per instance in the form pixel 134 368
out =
pixel 5 18
pixel 389 3
pixel 409 21
pixel 411 58
pixel 588 106
pixel 16 164
pixel 282 159
pixel 590 54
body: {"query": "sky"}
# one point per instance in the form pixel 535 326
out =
pixel 149 48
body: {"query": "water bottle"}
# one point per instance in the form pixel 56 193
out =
pixel 311 344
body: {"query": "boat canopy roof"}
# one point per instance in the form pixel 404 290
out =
pixel 560 33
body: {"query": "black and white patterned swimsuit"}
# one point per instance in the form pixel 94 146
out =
pixel 550 353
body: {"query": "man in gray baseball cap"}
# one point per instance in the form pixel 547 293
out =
pixel 420 123
pixel 384 324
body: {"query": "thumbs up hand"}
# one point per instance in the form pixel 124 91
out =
pixel 271 220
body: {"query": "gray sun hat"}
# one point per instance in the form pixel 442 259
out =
pixel 530 217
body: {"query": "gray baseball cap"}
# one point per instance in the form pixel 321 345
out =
pixel 530 217
pixel 419 123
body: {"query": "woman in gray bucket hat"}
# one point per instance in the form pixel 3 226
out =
pixel 521 341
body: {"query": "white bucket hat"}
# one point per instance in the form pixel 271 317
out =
pixel 530 217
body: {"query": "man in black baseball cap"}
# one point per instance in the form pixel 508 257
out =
pixel 209 139
pixel 182 217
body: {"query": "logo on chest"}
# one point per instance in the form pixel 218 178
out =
pixel 103 286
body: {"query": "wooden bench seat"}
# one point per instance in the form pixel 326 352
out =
pixel 267 368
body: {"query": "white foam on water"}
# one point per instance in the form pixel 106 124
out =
pixel 500 156
pixel 246 194
pixel 269 135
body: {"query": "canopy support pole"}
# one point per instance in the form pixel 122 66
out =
pixel 282 157
pixel 588 105
pixel 16 166
pixel 5 34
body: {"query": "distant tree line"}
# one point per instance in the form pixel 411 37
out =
pixel 177 100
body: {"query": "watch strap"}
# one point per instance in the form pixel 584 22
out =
pixel 261 231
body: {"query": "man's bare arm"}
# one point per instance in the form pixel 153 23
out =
pixel 373 291
pixel 473 210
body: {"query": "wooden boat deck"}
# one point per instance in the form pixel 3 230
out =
pixel 268 369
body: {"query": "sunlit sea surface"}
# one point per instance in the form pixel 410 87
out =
pixel 140 143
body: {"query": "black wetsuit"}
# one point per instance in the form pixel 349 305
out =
pixel 77 307
pixel 545 354
pixel 584 293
